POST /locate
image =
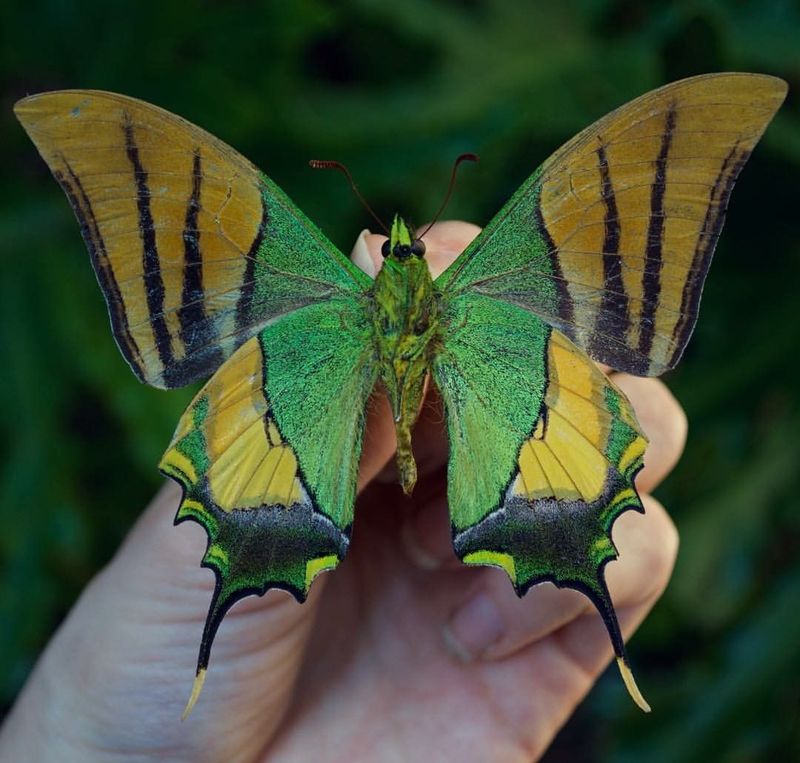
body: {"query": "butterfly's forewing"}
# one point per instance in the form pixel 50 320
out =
pixel 543 450
pixel 611 238
pixel 267 454
pixel 194 248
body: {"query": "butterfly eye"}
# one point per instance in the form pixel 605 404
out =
pixel 385 249
pixel 418 248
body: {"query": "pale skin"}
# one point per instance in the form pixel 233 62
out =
pixel 400 654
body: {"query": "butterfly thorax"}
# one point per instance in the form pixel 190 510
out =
pixel 405 320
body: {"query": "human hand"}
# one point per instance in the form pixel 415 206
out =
pixel 401 654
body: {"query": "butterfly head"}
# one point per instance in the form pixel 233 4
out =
pixel 401 244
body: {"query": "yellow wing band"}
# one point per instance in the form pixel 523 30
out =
pixel 566 458
pixel 228 429
pixel 494 559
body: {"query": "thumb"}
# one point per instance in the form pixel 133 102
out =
pixel 117 674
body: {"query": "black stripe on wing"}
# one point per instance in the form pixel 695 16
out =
pixel 245 301
pixel 103 268
pixel 613 318
pixel 192 310
pixel 151 265
pixel 706 243
pixel 565 308
pixel 651 279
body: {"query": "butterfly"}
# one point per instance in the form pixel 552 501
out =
pixel 208 269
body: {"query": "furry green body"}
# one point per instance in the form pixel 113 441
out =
pixel 405 320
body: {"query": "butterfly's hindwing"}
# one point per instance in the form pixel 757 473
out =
pixel 268 462
pixel 242 483
pixel 574 476
pixel 206 266
pixel 611 238
pixel 537 499
pixel 193 248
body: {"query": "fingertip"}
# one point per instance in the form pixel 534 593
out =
pixel 363 252
pixel 648 547
pixel 445 241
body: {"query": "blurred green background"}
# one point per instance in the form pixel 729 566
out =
pixel 396 90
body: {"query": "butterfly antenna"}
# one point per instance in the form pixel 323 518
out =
pixel 459 159
pixel 330 164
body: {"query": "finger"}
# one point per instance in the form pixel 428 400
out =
pixel 445 241
pixel 664 423
pixel 128 647
pixel 491 622
pixel 366 252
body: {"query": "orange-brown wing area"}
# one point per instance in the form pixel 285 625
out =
pixel 646 189
pixel 586 429
pixel 194 249
pixel 171 217
pixel 240 452
pixel 611 239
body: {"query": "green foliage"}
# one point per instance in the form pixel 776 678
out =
pixel 397 90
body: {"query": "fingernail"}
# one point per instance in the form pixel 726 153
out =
pixel 474 627
pixel 426 537
pixel 360 254
pixel 415 552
